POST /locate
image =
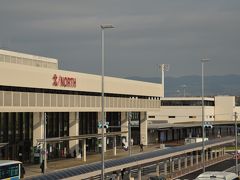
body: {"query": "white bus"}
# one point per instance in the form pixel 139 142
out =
pixel 217 175
pixel 11 170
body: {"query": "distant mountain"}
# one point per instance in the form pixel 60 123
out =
pixel 214 85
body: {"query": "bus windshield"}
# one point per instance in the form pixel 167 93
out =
pixel 10 169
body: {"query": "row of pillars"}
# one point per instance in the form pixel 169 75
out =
pixel 187 161
pixel 169 166
pixel 84 154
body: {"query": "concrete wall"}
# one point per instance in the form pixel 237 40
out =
pixel 181 114
pixel 34 77
pixel 224 108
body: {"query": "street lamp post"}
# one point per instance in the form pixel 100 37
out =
pixel 163 67
pixel 236 143
pixel 184 89
pixel 103 27
pixel 203 60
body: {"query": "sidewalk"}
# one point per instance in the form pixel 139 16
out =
pixel 34 170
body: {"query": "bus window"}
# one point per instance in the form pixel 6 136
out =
pixel 10 169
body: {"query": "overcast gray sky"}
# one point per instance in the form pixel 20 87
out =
pixel 147 33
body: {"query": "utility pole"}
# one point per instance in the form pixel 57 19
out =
pixel 236 143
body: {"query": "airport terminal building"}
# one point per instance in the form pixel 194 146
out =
pixel 32 85
pixel 33 88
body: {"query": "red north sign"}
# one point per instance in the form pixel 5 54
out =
pixel 63 81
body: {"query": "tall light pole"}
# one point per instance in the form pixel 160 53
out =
pixel 45 143
pixel 203 60
pixel 103 27
pixel 184 89
pixel 236 143
pixel 163 67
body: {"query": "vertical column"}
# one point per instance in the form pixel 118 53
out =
pixel 158 169
pixel 114 146
pixel 38 129
pixel 99 119
pixel 196 157
pixel 214 154
pixel 129 174
pixel 124 125
pixel 211 154
pixel 139 173
pixel 206 153
pixel 172 166
pixel 143 128
pixel 165 167
pixel 191 159
pixel 84 150
pixel 185 161
pixel 74 131
pixel 179 163
pixel 118 176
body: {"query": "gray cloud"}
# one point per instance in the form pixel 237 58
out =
pixel 147 33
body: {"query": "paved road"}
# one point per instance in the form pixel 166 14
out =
pixel 217 167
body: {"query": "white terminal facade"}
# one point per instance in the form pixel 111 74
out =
pixel 32 86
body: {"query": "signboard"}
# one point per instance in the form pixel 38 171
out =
pixel 64 81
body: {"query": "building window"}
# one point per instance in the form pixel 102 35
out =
pixel 151 116
pixel 192 117
pixel 171 116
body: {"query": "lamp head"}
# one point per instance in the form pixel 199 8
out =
pixel 106 26
pixel 205 59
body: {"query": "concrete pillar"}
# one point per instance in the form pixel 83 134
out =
pixel 143 128
pixel 114 146
pixel 124 125
pixel 179 163
pixel 172 166
pixel 185 161
pixel 38 127
pixel 215 153
pixel 211 154
pixel 139 173
pixel 84 150
pixel 38 130
pixel 129 174
pixel 223 150
pixel 191 159
pixel 74 131
pixel 165 167
pixel 196 157
pixel 206 153
pixel 158 169
pixel 118 176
